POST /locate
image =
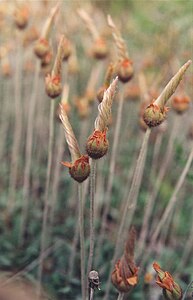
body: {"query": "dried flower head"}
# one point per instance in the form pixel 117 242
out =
pixel 99 48
pixel 171 290
pixel 97 143
pixel 125 275
pixel 21 17
pixel 108 77
pixel 125 65
pixel 181 103
pixel 67 49
pixel 155 113
pixel 79 168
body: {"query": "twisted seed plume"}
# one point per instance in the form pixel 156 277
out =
pixel 119 41
pixel 70 137
pixel 56 71
pixel 48 25
pixel 172 85
pixel 104 107
pixel 89 23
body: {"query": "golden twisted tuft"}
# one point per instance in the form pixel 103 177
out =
pixel 104 108
pixel 119 41
pixel 70 137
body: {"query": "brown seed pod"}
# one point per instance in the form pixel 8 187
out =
pixel 100 49
pixel 80 169
pixel 154 115
pixel 180 103
pixel 41 48
pixel 125 70
pixel 97 144
pixel 53 86
pixel 21 17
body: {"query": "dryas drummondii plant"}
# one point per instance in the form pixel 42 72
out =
pixel 122 54
pixel 53 89
pixel 155 113
pixel 153 120
pixel 125 65
pixel 96 147
pixel 125 274
pixel 99 48
pixel 79 170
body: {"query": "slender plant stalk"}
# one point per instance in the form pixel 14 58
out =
pixel 92 214
pixel 107 195
pixel 120 296
pixel 56 176
pixel 185 293
pixel 82 242
pixel 17 128
pixel 44 231
pixel 152 198
pixel 135 185
pixel 28 152
pixel 76 234
pixel 91 294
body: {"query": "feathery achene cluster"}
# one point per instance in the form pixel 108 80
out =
pixel 79 168
pixel 125 65
pixel 155 113
pixel 97 143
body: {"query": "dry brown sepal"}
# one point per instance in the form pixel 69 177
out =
pixel 125 275
pixel 53 80
pixel 79 168
pixel 21 17
pixel 107 80
pixel 155 113
pixel 99 49
pixel 97 143
pixel 42 46
pixel 125 65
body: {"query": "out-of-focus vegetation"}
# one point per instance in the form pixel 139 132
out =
pixel 158 35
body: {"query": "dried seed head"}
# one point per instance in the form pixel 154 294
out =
pixel 82 105
pixel 47 59
pixel 155 113
pixel 67 49
pixel 41 48
pixel 100 49
pixel 104 108
pixel 171 290
pixel 53 86
pixel 21 17
pixel 93 279
pixel 97 144
pixel 125 70
pixel 125 275
pixel 80 169
pixel 181 103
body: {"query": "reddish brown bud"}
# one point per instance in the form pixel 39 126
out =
pixel 21 17
pixel 171 290
pixel 80 169
pixel 180 103
pixel 67 49
pixel 41 48
pixel 125 70
pixel 154 115
pixel 53 86
pixel 97 144
pixel 99 49
pixel 125 275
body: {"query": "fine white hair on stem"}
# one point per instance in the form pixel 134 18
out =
pixel 48 25
pixel 172 85
pixel 104 108
pixel 119 41
pixel 69 134
pixel 89 23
